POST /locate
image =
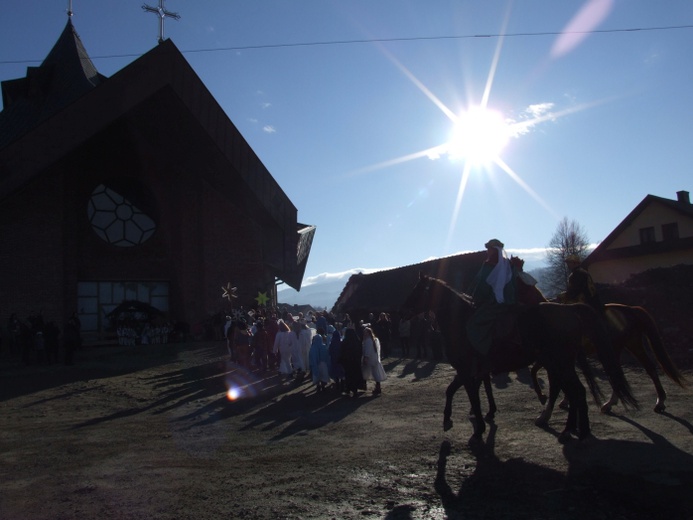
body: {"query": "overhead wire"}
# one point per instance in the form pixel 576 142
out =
pixel 386 40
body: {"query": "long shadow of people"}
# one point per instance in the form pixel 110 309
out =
pixel 420 369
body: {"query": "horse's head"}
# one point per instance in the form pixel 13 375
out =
pixel 432 294
pixel 517 262
pixel 420 297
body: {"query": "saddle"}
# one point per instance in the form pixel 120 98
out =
pixel 507 351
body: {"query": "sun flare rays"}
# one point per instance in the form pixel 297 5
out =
pixel 478 135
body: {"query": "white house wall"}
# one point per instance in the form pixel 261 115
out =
pixel 655 215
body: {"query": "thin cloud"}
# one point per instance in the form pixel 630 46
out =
pixel 269 129
pixel 530 117
pixel 590 16
pixel 538 109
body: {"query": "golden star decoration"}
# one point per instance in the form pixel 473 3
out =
pixel 262 298
pixel 229 292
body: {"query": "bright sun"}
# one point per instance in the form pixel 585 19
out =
pixel 479 136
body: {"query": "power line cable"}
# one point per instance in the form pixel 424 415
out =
pixel 385 40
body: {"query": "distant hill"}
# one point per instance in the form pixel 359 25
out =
pixel 318 295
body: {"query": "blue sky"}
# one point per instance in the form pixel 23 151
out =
pixel 347 103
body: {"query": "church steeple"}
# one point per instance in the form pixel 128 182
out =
pixel 71 60
pixel 65 75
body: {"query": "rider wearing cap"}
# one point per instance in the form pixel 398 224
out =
pixel 580 288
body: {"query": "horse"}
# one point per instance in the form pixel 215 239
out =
pixel 549 333
pixel 631 328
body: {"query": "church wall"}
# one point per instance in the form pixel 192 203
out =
pixel 202 241
pixel 232 253
pixel 31 263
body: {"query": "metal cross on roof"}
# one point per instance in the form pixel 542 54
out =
pixel 162 13
pixel 69 9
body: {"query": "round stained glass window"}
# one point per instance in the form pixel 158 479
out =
pixel 119 216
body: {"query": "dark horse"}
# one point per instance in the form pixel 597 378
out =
pixel 549 333
pixel 630 328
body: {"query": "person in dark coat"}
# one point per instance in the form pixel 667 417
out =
pixel 336 368
pixel 350 357
pixel 262 346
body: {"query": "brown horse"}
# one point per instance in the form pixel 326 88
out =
pixel 548 333
pixel 630 328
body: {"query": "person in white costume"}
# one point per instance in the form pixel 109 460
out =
pixel 371 366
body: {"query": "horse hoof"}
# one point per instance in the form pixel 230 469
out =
pixel 564 406
pixel 542 399
pixel 565 437
pixel 541 422
pixel 476 438
pixel 587 439
pixel 447 425
pixel 660 407
pixel 606 408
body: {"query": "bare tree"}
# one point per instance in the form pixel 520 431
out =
pixel 569 239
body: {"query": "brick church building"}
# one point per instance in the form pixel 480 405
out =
pixel 133 187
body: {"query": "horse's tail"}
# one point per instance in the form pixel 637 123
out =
pixel 588 373
pixel 607 354
pixel 651 332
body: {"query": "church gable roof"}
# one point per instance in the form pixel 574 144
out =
pixel 179 116
pixel 65 75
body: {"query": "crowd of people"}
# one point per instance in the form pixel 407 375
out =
pixel 340 355
pixel 36 342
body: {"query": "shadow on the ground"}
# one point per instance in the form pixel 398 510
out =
pixel 206 393
pixel 419 368
pixel 91 362
pixel 298 413
pixel 606 478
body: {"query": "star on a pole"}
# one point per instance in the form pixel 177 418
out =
pixel 229 292
pixel 262 298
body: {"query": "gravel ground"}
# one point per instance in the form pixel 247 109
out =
pixel 149 432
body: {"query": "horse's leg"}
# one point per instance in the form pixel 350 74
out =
pixel 492 409
pixel 472 387
pixel 534 371
pixel 618 344
pixel 613 401
pixel 554 389
pixel 578 419
pixel 637 348
pixel 453 387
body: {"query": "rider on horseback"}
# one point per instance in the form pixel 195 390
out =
pixel 493 292
pixel 580 288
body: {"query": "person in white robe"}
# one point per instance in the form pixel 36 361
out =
pixel 371 366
